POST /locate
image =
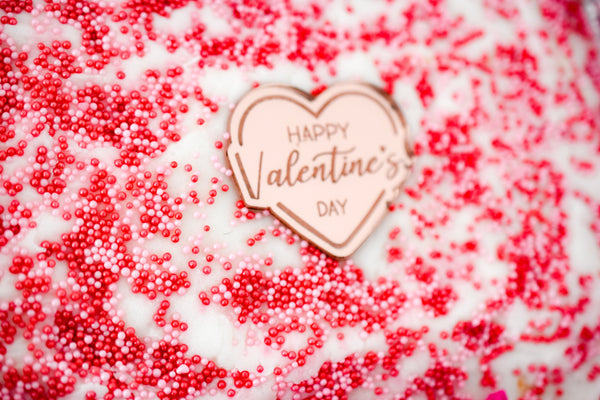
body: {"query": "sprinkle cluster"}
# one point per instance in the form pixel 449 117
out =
pixel 120 227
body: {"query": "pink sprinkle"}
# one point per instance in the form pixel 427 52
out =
pixel 501 395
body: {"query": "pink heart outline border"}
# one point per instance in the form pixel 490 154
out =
pixel 314 105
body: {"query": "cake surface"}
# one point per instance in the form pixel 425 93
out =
pixel 130 267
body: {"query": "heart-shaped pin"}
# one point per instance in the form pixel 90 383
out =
pixel 327 166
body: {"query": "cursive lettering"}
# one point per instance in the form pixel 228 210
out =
pixel 331 166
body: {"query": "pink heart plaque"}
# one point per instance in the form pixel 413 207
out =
pixel 326 166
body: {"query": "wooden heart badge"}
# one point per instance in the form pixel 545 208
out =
pixel 326 166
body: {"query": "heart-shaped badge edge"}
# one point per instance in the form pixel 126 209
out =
pixel 315 105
